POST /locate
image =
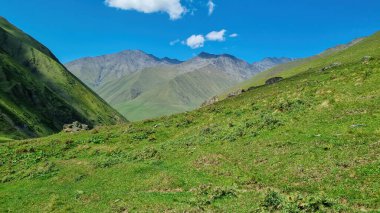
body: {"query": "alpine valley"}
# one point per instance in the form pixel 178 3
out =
pixel 142 86
pixel 210 134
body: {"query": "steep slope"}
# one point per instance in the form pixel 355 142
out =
pixel 309 143
pixel 97 71
pixel 38 95
pixel 143 86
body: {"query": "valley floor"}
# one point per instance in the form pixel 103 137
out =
pixel 309 143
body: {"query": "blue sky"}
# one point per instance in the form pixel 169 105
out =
pixel 290 28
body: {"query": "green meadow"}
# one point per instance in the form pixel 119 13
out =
pixel 309 143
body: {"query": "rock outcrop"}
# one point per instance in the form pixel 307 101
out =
pixel 336 64
pixel 236 93
pixel 75 127
pixel 367 59
pixel 273 80
pixel 210 101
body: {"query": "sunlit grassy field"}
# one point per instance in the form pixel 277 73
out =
pixel 308 143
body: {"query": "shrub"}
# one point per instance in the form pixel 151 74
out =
pixel 44 170
pixel 143 134
pixel 207 194
pixel 206 130
pixel 186 121
pixel 315 203
pixel 146 154
pixel 273 201
pixel 106 162
pixel 140 136
pixel 269 122
pixel 80 177
pixel 6 178
pixel 97 140
pixel 254 107
pixel 289 105
pixel 152 138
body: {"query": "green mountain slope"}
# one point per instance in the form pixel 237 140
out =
pixel 162 91
pixel 309 143
pixel 38 95
pixel 339 53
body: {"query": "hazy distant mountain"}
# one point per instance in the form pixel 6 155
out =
pixel 37 94
pixel 170 60
pixel 236 68
pixel 268 63
pixel 95 71
pixel 141 85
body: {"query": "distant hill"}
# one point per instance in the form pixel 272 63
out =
pixel 140 85
pixel 37 94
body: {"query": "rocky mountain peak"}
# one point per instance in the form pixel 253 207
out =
pixel 206 55
pixel 171 60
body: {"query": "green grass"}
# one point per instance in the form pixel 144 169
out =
pixel 309 143
pixel 3 139
pixel 37 94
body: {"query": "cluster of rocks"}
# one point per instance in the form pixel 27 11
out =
pixel 367 59
pixel 215 99
pixel 251 88
pixel 236 93
pixel 335 64
pixel 273 80
pixel 75 127
pixel 210 101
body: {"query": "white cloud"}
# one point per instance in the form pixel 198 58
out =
pixel 234 35
pixel 174 42
pixel 195 41
pixel 211 7
pixel 173 7
pixel 216 35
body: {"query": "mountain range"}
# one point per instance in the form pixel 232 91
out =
pixel 37 94
pixel 141 86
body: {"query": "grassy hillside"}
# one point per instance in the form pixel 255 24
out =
pixel 37 94
pixel 306 144
pixel 21 36
pixel 155 92
pixel 341 53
